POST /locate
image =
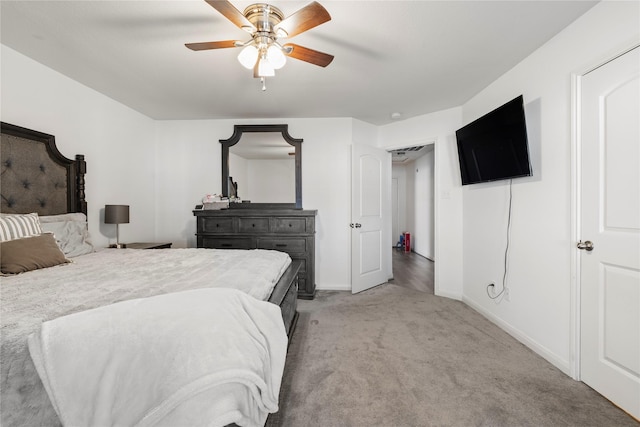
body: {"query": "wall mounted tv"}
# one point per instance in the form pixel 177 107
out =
pixel 494 147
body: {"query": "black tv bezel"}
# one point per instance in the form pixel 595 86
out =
pixel 463 135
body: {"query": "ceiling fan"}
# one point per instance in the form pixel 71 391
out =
pixel 266 24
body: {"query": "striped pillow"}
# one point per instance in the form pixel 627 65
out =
pixel 13 226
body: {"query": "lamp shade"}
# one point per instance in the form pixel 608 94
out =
pixel 116 214
pixel 265 69
pixel 276 57
pixel 248 57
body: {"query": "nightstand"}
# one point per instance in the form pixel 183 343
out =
pixel 148 245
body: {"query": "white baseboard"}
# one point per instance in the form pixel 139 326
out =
pixel 541 350
pixel 450 295
pixel 333 288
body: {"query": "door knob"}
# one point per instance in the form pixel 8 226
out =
pixel 356 225
pixel 586 245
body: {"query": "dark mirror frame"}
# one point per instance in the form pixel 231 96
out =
pixel 238 130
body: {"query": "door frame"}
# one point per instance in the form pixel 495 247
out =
pixel 576 213
pixel 436 186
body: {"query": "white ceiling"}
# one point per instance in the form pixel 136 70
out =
pixel 410 57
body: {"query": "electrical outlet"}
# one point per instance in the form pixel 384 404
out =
pixel 507 295
pixel 492 289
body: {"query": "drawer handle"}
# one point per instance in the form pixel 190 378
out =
pixel 253 225
pixel 281 245
pixel 226 245
pixel 290 225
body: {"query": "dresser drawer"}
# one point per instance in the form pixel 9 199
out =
pixel 216 225
pixel 282 229
pixel 289 225
pixel 253 225
pixel 292 245
pixel 227 243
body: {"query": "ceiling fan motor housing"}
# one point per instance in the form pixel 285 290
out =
pixel 264 17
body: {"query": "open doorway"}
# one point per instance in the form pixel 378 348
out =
pixel 413 211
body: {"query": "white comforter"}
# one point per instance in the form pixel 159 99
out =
pixel 100 279
pixel 200 357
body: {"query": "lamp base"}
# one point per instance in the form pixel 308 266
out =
pixel 118 246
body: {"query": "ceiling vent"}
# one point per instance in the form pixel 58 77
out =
pixel 404 155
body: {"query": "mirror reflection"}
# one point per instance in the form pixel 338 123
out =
pixel 262 166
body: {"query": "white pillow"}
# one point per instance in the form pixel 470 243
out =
pixel 70 231
pixel 17 226
pixel 77 216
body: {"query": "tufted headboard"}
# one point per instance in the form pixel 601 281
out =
pixel 36 177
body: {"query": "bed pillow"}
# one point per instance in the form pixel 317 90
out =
pixel 17 226
pixel 30 253
pixel 76 216
pixel 70 231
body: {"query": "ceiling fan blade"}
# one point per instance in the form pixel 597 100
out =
pixel 211 45
pixel 308 55
pixel 230 12
pixel 304 19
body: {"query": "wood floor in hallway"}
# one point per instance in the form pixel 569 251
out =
pixel 412 271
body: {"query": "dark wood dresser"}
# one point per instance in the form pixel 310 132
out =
pixel 287 230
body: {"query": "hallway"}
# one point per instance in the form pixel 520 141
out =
pixel 412 271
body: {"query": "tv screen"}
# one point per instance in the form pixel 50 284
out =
pixel 495 147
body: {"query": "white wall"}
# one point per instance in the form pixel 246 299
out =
pixel 118 143
pixel 264 180
pixel 440 128
pixel 539 277
pixel 410 175
pixel 326 186
pixel 405 204
pixel 423 196
pixel 188 163
pixel 239 171
pixel 271 181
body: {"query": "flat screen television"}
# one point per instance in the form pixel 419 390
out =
pixel 494 147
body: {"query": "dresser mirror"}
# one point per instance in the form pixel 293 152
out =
pixel 261 167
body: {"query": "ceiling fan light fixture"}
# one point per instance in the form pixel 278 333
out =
pixel 265 68
pixel 276 57
pixel 248 56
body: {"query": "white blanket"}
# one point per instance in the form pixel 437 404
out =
pixel 99 279
pixel 198 357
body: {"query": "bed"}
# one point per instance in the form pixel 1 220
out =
pixel 209 326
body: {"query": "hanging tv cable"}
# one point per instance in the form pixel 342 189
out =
pixel 506 251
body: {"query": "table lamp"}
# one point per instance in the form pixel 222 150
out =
pixel 116 214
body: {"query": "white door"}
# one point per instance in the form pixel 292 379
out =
pixel 370 245
pixel 610 222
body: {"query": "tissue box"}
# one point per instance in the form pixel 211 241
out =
pixel 223 204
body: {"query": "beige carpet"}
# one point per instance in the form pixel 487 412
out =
pixel 392 356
